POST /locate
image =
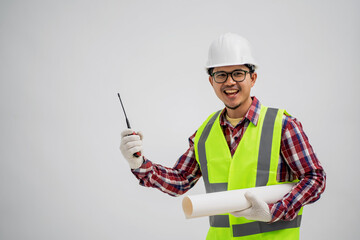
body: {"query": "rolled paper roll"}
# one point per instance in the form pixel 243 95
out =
pixel 230 201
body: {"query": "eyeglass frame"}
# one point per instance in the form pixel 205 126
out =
pixel 227 75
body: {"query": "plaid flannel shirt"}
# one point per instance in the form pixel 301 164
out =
pixel 297 160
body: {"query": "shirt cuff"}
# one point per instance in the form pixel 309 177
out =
pixel 142 172
pixel 275 217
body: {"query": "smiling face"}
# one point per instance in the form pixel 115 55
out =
pixel 235 95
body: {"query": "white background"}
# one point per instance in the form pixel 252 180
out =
pixel 62 63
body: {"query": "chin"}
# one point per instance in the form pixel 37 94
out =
pixel 233 107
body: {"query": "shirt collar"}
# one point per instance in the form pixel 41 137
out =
pixel 252 114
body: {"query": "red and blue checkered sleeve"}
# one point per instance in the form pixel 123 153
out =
pixel 173 181
pixel 297 161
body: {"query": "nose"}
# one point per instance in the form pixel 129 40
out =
pixel 229 80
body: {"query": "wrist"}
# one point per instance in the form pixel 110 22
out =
pixel 272 209
pixel 136 162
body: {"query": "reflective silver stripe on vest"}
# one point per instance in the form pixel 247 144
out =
pixel 240 230
pixel 264 158
pixel 219 221
pixel 210 187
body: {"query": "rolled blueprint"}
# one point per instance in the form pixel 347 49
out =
pixel 230 201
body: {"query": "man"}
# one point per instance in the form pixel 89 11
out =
pixel 244 145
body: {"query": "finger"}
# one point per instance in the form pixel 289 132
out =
pixel 132 144
pixel 126 132
pixel 246 212
pixel 236 214
pixel 241 213
pixel 250 197
pixel 254 199
pixel 135 149
pixel 130 138
pixel 141 135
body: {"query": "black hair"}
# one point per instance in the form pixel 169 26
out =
pixel 251 67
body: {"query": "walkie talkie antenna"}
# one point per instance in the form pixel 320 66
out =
pixel 127 120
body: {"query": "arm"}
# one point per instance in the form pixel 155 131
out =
pixel 298 161
pixel 173 181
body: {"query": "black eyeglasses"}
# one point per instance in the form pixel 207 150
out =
pixel 237 75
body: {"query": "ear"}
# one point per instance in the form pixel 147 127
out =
pixel 253 79
pixel 211 80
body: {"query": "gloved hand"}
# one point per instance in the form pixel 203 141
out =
pixel 129 145
pixel 259 210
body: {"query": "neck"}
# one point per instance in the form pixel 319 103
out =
pixel 240 111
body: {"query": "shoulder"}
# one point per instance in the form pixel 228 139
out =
pixel 212 118
pixel 289 120
pixel 202 126
pixel 291 126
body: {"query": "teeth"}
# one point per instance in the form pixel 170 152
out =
pixel 231 91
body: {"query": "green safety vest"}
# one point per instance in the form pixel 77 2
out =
pixel 253 164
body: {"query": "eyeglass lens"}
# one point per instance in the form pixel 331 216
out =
pixel 237 75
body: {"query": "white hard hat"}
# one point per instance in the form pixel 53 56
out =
pixel 230 49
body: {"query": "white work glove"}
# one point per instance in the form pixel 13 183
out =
pixel 129 145
pixel 259 210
